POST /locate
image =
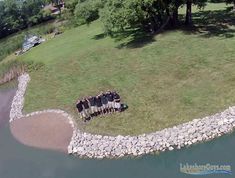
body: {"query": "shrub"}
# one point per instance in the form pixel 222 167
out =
pixel 87 11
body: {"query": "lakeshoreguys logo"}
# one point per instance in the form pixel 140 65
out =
pixel 205 169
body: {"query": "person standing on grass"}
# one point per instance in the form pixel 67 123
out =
pixel 117 101
pixel 104 102
pixel 86 108
pixel 110 98
pixel 80 109
pixel 92 105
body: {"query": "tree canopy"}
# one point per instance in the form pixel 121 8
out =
pixel 87 11
pixel 149 15
pixel 17 15
pixel 116 15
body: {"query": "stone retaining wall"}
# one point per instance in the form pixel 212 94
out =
pixel 97 146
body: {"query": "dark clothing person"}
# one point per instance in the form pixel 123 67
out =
pixel 116 97
pixel 85 104
pixel 98 101
pixel 110 97
pixel 79 106
pixel 92 101
pixel 104 100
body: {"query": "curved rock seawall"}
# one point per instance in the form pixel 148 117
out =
pixel 18 100
pixel 97 146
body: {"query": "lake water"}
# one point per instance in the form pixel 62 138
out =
pixel 19 161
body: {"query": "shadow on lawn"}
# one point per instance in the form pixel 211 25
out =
pixel 213 23
pixel 206 24
pixel 133 38
pixel 99 36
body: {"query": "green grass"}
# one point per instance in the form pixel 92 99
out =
pixel 9 85
pixel 166 80
pixel 14 42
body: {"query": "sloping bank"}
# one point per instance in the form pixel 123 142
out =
pixel 11 70
pixel 98 146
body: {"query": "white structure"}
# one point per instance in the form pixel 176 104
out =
pixel 31 41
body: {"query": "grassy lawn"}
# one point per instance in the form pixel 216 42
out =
pixel 168 79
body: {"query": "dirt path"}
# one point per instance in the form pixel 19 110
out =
pixel 47 131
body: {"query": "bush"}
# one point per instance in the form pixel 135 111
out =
pixel 87 11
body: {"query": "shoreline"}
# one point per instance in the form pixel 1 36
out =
pixel 46 131
pixel 6 96
pixel 98 146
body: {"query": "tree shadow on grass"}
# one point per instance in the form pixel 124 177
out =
pixel 99 36
pixel 131 38
pixel 206 24
pixel 213 23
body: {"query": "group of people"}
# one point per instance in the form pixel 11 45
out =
pixel 105 102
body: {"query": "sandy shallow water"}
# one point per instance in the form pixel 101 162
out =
pixel 47 131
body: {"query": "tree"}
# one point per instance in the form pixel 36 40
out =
pixel 31 11
pixel 188 17
pixel 11 18
pixel 149 15
pixel 189 3
pixel 87 11
pixel 16 15
pixel 71 4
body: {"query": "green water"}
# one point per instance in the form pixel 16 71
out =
pixel 19 161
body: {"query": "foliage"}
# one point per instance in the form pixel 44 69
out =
pixel 231 2
pixel 71 4
pixel 16 15
pixel 10 44
pixel 149 15
pixel 121 14
pixel 135 13
pixel 87 11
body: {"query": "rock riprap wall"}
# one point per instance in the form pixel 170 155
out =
pixel 99 146
pixel 18 100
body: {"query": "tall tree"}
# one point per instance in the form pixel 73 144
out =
pixel 30 11
pixel 16 15
pixel 189 3
pixel 175 15
pixel 188 17
pixel 149 14
pixel 12 17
